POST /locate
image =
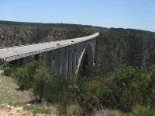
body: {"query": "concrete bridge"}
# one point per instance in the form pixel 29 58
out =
pixel 65 56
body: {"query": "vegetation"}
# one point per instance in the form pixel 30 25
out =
pixel 128 87
pixel 25 74
pixel 122 89
pixel 8 70
pixel 142 111
pixel 41 78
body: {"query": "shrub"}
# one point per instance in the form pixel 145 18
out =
pixel 88 102
pixel 57 90
pixel 89 93
pixel 142 111
pixel 25 74
pixel 54 88
pixel 8 70
pixel 94 87
pixel 128 87
pixel 41 78
pixel 23 78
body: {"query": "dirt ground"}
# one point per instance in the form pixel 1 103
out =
pixel 10 94
pixel 7 110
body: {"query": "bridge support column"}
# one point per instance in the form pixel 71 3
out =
pixel 57 60
pixel 66 62
pixel 61 61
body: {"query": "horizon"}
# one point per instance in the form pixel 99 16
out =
pixel 126 14
pixel 74 24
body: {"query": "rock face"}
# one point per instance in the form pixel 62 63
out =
pixel 115 46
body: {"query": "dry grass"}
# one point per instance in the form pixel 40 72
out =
pixel 112 113
pixel 9 93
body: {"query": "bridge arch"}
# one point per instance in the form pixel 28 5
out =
pixel 86 60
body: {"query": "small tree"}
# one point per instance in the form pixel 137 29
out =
pixel 41 78
pixel 22 79
pixel 8 70
pixel 57 88
pixel 25 74
pixel 128 86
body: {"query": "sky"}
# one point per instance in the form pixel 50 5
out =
pixel 137 14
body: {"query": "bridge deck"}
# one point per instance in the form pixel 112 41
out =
pixel 17 52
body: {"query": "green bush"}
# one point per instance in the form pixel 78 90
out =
pixel 25 74
pixel 94 87
pixel 88 94
pixel 57 89
pixel 88 102
pixel 127 86
pixel 41 78
pixel 53 88
pixel 8 70
pixel 142 111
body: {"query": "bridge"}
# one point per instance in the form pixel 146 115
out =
pixel 65 56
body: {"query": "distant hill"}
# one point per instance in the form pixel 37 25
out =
pixel 115 46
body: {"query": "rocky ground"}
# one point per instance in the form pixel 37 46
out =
pixel 7 110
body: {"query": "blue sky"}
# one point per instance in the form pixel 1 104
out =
pixel 139 14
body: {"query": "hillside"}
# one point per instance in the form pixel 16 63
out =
pixel 115 46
